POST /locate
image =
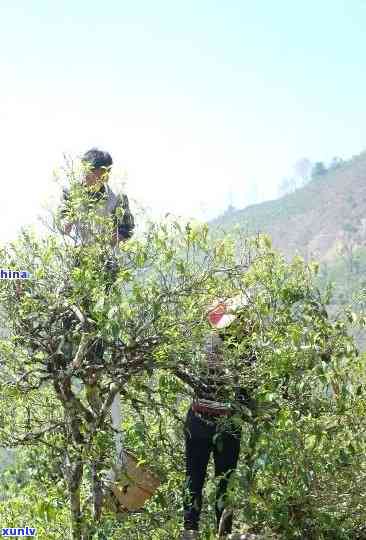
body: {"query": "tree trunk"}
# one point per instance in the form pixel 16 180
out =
pixel 97 491
pixel 95 402
pixel 118 437
pixel 74 472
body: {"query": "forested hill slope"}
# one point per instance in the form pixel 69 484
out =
pixel 315 219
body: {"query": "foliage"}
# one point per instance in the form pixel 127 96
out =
pixel 90 319
pixel 302 467
pixel 319 169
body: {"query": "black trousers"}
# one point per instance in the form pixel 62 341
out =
pixel 203 435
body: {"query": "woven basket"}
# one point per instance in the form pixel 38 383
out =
pixel 136 485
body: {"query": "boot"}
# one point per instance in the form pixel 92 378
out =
pixel 189 535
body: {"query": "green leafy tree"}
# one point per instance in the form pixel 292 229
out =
pixel 319 169
pixel 336 163
pixel 287 185
pixel 98 316
pixel 94 321
pixel 302 169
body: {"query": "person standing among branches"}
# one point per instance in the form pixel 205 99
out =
pixel 98 197
pixel 97 165
pixel 205 432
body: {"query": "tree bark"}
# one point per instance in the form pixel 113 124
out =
pixel 118 437
pixel 97 491
pixel 74 473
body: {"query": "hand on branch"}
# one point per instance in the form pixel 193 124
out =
pixel 67 228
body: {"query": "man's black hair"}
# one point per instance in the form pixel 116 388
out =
pixel 97 158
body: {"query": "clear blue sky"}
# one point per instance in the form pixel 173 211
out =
pixel 195 99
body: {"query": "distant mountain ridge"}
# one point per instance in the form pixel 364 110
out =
pixel 312 220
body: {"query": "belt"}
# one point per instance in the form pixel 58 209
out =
pixel 197 408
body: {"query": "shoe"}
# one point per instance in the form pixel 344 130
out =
pixel 189 535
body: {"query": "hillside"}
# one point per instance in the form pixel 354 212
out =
pixel 311 221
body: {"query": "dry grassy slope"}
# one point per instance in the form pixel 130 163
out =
pixel 310 220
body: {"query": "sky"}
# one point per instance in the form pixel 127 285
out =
pixel 201 103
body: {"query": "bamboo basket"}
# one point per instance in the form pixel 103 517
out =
pixel 135 486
